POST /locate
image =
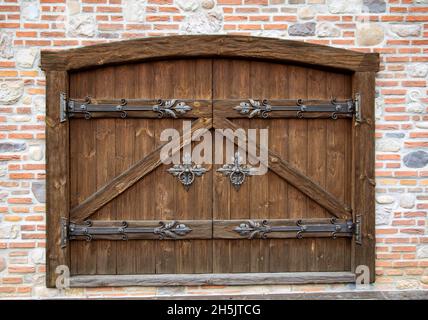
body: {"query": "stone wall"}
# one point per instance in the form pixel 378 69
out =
pixel 397 29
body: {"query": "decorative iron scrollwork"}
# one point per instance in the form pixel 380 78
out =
pixel 254 108
pixel 253 229
pixel 171 230
pixel 186 172
pixel 236 171
pixel 89 232
pixel 169 108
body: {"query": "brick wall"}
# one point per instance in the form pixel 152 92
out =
pixel 397 29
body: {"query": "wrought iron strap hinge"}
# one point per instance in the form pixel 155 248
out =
pixel 263 108
pixel 172 108
pixel 88 232
pixel 253 229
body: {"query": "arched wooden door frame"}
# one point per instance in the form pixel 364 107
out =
pixel 58 64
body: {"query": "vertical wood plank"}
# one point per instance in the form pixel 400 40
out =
pixel 317 89
pixel 145 143
pixel 297 156
pixel 57 184
pixel 166 184
pixel 363 170
pixel 105 251
pixel 82 85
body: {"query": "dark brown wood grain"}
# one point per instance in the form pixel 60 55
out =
pixel 126 179
pixel 212 279
pixel 363 171
pixel 218 46
pixel 57 185
pixel 296 178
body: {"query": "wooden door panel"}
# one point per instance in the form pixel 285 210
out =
pixel 110 146
pixel 309 145
pixel 319 148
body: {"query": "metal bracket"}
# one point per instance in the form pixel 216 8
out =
pixel 358 233
pixel 64 232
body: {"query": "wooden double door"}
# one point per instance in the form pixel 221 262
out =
pixel 130 215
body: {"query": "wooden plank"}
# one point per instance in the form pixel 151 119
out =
pixel 105 251
pixel 125 86
pixel 144 144
pixel 166 184
pixel 57 186
pixel 337 255
pixel 259 186
pixel 211 279
pixel 296 178
pixel 300 252
pixel 363 170
pixel 83 84
pixel 127 178
pixel 187 46
pixel 202 198
pixel 278 76
pixel 360 294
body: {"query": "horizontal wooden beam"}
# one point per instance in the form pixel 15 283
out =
pixel 346 294
pixel 211 229
pixel 210 279
pixel 129 177
pixel 200 46
pixel 293 176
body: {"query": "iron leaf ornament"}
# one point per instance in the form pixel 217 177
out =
pixel 254 108
pixel 236 171
pixel 186 172
pixel 170 108
pixel 171 230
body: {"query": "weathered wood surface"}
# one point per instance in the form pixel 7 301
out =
pixel 128 178
pixel 57 186
pixel 363 199
pixel 295 177
pixel 360 294
pixel 188 46
pixel 211 279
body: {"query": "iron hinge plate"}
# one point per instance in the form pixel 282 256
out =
pixel 64 232
pixel 358 233
pixel 63 107
pixel 357 106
